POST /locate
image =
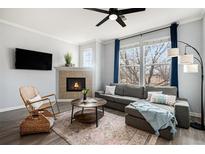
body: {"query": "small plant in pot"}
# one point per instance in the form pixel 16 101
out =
pixel 85 92
pixel 68 59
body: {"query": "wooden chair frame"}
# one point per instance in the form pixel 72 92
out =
pixel 44 106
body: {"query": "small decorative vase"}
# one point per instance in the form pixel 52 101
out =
pixel 68 65
pixel 84 96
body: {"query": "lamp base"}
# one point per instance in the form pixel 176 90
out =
pixel 197 126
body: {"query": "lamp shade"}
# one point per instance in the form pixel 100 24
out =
pixel 186 59
pixel 191 68
pixel 173 52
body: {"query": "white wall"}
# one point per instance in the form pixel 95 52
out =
pixel 189 85
pixel 99 66
pixel 11 79
pixel 97 61
pixel 108 69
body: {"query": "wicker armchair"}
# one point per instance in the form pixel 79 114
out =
pixel 29 92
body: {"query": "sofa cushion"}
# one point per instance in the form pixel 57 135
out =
pixel 107 97
pixel 124 99
pixel 168 90
pixel 132 111
pixel 119 89
pixel 133 91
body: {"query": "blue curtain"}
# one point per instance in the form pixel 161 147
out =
pixel 174 63
pixel 116 60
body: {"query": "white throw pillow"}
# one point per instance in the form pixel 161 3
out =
pixel 149 94
pixel 110 90
pixel 163 99
pixel 37 104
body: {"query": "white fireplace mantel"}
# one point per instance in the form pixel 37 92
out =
pixel 74 68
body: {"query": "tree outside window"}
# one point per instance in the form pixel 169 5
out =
pixel 130 65
pixel 157 64
pixel 156 70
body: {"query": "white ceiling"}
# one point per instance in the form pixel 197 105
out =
pixel 78 25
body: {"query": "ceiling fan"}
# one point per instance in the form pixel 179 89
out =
pixel 115 14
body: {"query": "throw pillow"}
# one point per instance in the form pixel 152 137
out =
pixel 110 90
pixel 37 104
pixel 163 99
pixel 149 94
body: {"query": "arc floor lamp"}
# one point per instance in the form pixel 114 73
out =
pixel 189 67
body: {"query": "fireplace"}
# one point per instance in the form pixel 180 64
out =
pixel 75 84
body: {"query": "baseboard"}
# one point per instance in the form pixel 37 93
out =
pixel 194 114
pixel 11 108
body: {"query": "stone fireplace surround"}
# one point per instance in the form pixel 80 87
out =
pixel 62 73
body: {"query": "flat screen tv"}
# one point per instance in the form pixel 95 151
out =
pixel 27 59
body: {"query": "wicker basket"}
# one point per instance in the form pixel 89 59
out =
pixel 35 124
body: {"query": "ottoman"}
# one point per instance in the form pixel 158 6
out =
pixel 37 124
pixel 135 119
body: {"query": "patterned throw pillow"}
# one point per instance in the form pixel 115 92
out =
pixel 163 99
pixel 110 90
pixel 149 94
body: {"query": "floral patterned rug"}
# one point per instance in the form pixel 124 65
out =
pixel 111 130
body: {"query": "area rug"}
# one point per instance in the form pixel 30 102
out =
pixel 112 130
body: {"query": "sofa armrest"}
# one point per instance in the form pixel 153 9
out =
pixel 182 113
pixel 98 93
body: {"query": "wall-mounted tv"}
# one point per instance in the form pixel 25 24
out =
pixel 28 59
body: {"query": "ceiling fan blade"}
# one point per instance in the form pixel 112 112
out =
pixel 101 22
pixel 98 10
pixel 132 10
pixel 119 20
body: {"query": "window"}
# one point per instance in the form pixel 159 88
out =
pixel 146 61
pixel 157 64
pixel 130 65
pixel 87 58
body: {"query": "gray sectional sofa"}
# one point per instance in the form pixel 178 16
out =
pixel 127 93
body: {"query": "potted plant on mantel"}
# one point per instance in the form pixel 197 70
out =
pixel 68 59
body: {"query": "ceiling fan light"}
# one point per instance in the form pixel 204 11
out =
pixel 113 17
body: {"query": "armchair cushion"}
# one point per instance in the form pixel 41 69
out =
pixel 36 105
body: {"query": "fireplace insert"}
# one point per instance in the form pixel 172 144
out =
pixel 75 84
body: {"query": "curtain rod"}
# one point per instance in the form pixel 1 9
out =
pixel 144 33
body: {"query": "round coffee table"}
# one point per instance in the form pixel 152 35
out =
pixel 90 112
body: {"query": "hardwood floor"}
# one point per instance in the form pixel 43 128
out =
pixel 9 131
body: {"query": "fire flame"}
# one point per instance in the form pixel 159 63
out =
pixel 76 85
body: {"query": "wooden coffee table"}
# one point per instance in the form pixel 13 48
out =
pixel 92 110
